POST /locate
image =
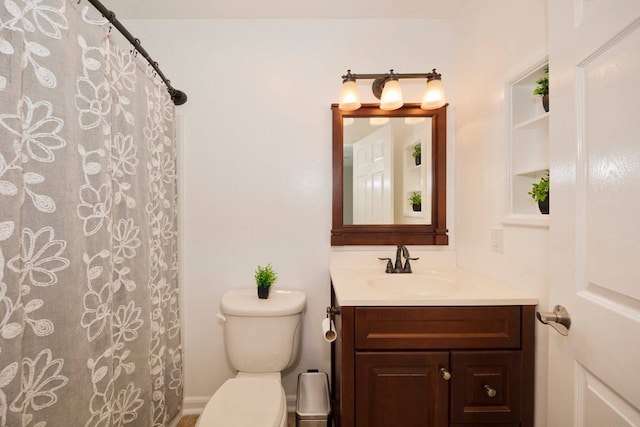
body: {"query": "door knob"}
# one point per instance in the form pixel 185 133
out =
pixel 559 319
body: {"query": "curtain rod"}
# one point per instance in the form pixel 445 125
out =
pixel 177 96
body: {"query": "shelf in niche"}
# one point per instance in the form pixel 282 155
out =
pixel 529 79
pixel 523 220
pixel 533 172
pixel 534 122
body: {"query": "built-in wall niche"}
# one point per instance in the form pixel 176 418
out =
pixel 528 147
pixel 417 178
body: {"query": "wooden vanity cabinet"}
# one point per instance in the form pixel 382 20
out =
pixel 391 366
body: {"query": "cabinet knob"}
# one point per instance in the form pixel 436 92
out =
pixel 491 392
pixel 445 374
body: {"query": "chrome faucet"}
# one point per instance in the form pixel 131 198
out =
pixel 401 251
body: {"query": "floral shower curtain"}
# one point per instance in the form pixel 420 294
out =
pixel 89 325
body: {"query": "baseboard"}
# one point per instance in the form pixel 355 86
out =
pixel 291 403
pixel 195 405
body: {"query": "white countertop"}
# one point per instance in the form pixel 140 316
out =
pixel 437 286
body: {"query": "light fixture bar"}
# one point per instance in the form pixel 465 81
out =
pixel 355 76
pixel 432 99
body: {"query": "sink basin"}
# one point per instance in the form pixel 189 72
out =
pixel 420 285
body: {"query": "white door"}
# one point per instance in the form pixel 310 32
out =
pixel 372 190
pixel 594 73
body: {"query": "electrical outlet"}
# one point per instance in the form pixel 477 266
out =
pixel 497 242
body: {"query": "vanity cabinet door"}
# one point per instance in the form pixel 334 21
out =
pixel 401 389
pixel 486 387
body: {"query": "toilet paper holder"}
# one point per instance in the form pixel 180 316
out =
pixel 333 311
pixel 329 330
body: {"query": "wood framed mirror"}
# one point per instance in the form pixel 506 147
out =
pixel 376 171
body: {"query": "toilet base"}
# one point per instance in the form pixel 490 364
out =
pixel 248 400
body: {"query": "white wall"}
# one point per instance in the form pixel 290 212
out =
pixel 257 156
pixel 494 41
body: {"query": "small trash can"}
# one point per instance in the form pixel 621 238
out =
pixel 313 406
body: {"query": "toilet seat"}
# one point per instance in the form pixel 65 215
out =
pixel 246 402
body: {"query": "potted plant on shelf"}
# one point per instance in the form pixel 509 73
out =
pixel 416 202
pixel 540 193
pixel 417 154
pixel 542 89
pixel 265 276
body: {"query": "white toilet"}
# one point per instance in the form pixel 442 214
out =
pixel 262 338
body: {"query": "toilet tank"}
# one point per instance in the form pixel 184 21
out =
pixel 262 335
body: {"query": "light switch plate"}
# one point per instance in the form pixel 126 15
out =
pixel 497 241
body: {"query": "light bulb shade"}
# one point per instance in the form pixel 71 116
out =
pixel 391 98
pixel 433 95
pixel 349 96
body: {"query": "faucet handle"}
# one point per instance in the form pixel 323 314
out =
pixel 389 265
pixel 407 266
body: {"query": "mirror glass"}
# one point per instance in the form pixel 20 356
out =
pixel 389 176
pixel 386 170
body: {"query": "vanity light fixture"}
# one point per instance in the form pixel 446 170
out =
pixel 391 98
pixel 349 95
pixel 386 87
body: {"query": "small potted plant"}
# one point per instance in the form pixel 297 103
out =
pixel 542 89
pixel 540 193
pixel 265 276
pixel 416 202
pixel 417 154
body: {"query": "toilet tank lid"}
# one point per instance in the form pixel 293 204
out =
pixel 245 302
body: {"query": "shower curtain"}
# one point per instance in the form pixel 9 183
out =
pixel 89 322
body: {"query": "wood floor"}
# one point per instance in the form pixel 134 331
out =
pixel 190 421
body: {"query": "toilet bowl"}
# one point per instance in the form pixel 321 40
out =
pixel 261 339
pixel 244 401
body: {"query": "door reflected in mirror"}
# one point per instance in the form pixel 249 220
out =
pixel 387 170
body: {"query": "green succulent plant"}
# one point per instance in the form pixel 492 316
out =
pixel 265 276
pixel 415 199
pixel 540 190
pixel 417 151
pixel 542 83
